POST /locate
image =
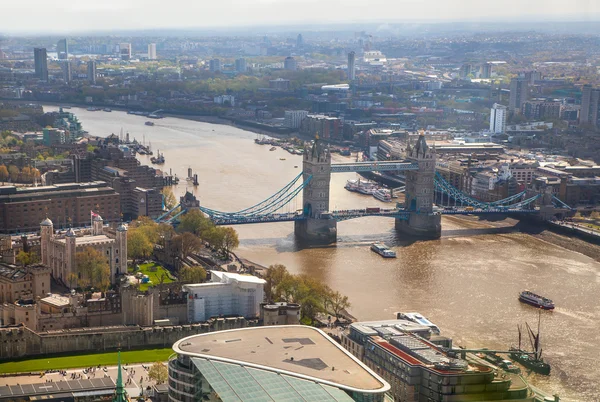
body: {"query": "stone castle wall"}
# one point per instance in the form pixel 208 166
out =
pixel 18 342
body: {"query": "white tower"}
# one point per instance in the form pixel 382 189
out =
pixel 70 263
pixel 46 231
pixel 120 254
pixel 97 225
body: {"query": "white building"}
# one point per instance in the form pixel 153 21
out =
pixel 497 119
pixel 226 294
pixel 152 51
pixel 293 118
pixel 221 99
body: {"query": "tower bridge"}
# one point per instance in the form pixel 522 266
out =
pixel 419 216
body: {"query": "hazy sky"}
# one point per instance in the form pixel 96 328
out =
pixel 83 15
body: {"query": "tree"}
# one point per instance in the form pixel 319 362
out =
pixel 274 276
pixel 72 279
pixel 3 173
pixel 195 274
pixel 13 172
pixel 158 372
pixel 215 238
pixel 189 243
pixel 138 244
pixel 336 302
pixel 92 269
pixel 23 258
pixel 168 198
pixel 195 222
pixel 230 239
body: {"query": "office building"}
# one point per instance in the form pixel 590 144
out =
pixel 293 118
pixel 351 66
pixel 590 103
pixel 279 84
pixel 299 41
pixel 539 110
pixel 41 63
pixel 519 94
pixel 533 76
pixel 290 64
pixel 91 71
pixel 67 71
pixel 125 51
pixel 23 208
pixel 214 65
pixel 466 71
pixel 329 128
pixel 227 294
pixel 240 65
pixel 498 118
pixel 486 70
pixel 422 367
pixel 152 51
pixel 272 363
pixel 62 49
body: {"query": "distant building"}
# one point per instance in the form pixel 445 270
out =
pixel 280 313
pixel 273 363
pixel 125 51
pixel 290 64
pixel 590 106
pixel 293 118
pixel 62 49
pixel 466 71
pixel 53 136
pixel 22 283
pixel 519 94
pixel 497 118
pixel 279 84
pixel 91 71
pixel 225 100
pixel 533 76
pixel 228 294
pixel 299 41
pixel 59 251
pixel 325 126
pixel 41 63
pixel 240 65
pixel 67 71
pixel 486 70
pixel 214 65
pixel 538 110
pixel 351 66
pixel 152 51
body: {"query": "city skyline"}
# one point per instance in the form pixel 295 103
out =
pixel 90 16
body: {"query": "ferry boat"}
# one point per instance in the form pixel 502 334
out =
pixel 382 250
pixel 107 109
pixel 272 149
pixel 419 319
pixel 362 187
pixel 92 109
pixel 149 123
pixel 383 194
pixel 536 300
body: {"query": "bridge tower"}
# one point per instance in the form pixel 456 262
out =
pixel 318 225
pixel 420 192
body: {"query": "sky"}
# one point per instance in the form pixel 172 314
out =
pixel 64 16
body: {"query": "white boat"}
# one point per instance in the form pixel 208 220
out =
pixel 383 194
pixel 382 250
pixel 419 319
pixel 362 187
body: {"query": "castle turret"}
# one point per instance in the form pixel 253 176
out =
pixel 97 225
pixel 70 250
pixel 120 253
pixel 46 232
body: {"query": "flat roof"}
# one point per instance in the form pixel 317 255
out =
pixel 230 276
pixel 56 300
pixel 296 350
pixel 83 240
pixel 12 392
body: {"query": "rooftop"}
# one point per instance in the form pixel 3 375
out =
pixel 85 240
pixel 56 300
pixel 295 350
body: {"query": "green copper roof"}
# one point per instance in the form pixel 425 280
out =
pixel 120 393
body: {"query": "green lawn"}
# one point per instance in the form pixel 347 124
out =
pixel 154 275
pixel 76 361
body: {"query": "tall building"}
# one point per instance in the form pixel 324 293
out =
pixel 293 118
pixel 62 49
pixel 290 63
pixel 299 41
pixel 590 103
pixel 91 71
pixel 214 65
pixel 240 65
pixel 272 363
pixel 67 71
pixel 125 51
pixel 466 70
pixel 351 66
pixel 519 94
pixel 497 118
pixel 152 51
pixel 41 63
pixel 486 70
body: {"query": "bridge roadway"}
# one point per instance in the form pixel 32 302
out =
pixel 379 166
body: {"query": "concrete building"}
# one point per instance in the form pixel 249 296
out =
pixel 519 94
pixel 22 209
pixel 225 100
pixel 275 363
pixel 280 84
pixel 125 51
pixel 58 251
pixel 281 313
pixel 299 41
pixel 91 71
pixel 486 71
pixel 146 202
pixel 351 66
pixel 290 64
pixel 62 49
pixel 325 126
pixel 590 105
pixel 466 71
pixel 497 118
pixel 67 71
pixel 227 294
pixel 240 65
pixel 214 65
pixel 419 366
pixel 152 51
pixel 293 118
pixel 41 63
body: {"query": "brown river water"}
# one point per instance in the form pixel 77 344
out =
pixel 467 282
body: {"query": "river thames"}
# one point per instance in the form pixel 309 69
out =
pixel 467 282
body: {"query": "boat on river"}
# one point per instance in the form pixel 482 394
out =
pixel 362 187
pixel 532 360
pixel 536 300
pixel 383 250
pixel 149 123
pixel 159 159
pixel 383 195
